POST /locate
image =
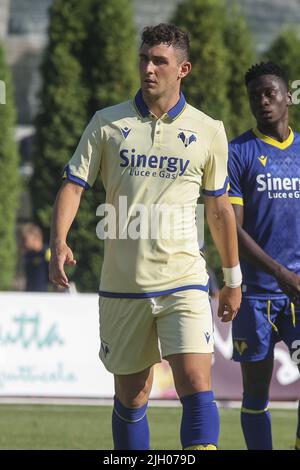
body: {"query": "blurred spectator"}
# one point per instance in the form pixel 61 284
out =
pixel 36 258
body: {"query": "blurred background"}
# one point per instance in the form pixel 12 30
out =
pixel 60 61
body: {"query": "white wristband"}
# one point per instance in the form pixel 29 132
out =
pixel 232 276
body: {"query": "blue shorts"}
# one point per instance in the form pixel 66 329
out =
pixel 259 326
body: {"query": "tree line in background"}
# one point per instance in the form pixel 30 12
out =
pixel 9 181
pixel 91 63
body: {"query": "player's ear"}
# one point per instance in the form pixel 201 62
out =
pixel 289 98
pixel 185 69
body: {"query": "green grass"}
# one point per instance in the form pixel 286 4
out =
pixel 88 427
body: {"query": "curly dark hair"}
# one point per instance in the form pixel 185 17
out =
pixel 168 34
pixel 266 68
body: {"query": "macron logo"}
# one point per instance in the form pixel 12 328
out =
pixel 105 349
pixel 125 132
pixel 263 160
pixel 207 336
pixel 187 140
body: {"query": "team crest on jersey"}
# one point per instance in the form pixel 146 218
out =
pixel 240 345
pixel 263 160
pixel 125 132
pixel 187 140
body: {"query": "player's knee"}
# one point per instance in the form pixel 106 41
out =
pixel 257 377
pixel 193 382
pixel 131 400
pixel 256 388
pixel 133 395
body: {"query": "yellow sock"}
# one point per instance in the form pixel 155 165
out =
pixel 202 447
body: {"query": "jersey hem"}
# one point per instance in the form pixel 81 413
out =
pixel 145 295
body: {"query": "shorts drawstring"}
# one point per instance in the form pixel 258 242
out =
pixel 293 314
pixel 273 324
pixel 269 317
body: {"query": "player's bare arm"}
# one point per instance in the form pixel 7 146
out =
pixel 288 281
pixel 65 209
pixel 222 224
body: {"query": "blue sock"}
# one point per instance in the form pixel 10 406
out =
pixel 200 424
pixel 256 423
pixel 130 427
pixel 297 445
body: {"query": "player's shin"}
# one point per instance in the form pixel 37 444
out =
pixel 256 423
pixel 200 423
pixel 130 427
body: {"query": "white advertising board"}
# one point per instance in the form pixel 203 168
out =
pixel 49 346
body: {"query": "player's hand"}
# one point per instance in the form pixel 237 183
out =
pixel 61 254
pixel 289 283
pixel 229 303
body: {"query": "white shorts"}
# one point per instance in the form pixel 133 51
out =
pixel 136 333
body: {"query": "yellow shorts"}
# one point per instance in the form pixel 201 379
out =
pixel 136 333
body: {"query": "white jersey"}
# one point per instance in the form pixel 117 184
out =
pixel 152 170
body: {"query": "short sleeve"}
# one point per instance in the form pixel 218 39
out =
pixel 215 179
pixel 84 166
pixel 235 172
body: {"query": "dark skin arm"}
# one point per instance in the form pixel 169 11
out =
pixel 222 224
pixel 288 281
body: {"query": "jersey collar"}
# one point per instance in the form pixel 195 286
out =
pixel 173 113
pixel 269 140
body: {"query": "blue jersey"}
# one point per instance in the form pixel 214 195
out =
pixel 36 270
pixel 265 178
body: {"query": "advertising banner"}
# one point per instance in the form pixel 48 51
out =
pixel 49 346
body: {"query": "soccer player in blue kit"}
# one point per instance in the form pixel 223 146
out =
pixel 264 171
pixel 156 149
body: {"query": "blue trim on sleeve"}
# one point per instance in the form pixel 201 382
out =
pixel 145 295
pixel 217 192
pixel 75 179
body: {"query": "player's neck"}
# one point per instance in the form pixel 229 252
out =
pixel 161 105
pixel 280 131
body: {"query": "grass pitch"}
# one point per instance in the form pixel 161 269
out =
pixel 68 427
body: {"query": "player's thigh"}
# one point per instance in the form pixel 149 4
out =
pixel 289 327
pixel 253 331
pixel 128 335
pixel 185 324
pixel 257 377
pixel 133 390
pixel 191 372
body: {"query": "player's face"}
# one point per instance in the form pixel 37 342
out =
pixel 161 70
pixel 269 99
pixel 28 241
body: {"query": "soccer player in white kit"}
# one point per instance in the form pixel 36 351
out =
pixel 156 151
